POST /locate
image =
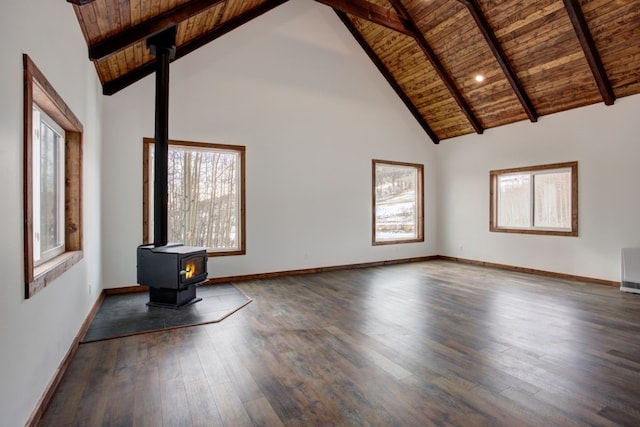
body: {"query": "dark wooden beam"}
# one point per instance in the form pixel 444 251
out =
pixel 369 11
pixel 437 65
pixel 501 57
pixel 144 70
pixel 80 2
pixel 590 51
pixel 388 76
pixel 148 28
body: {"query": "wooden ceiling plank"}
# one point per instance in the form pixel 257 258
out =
pixel 388 76
pixel 124 9
pixel 501 57
pixel 590 51
pixel 437 65
pixel 145 29
pixel 369 11
pixel 144 70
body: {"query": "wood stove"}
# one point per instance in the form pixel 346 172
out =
pixel 172 273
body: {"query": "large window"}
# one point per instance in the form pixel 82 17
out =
pixel 52 182
pixel 206 195
pixel 536 200
pixel 397 202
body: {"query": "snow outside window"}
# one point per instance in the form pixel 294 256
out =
pixel 397 202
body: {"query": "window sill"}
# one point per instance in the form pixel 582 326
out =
pixel 52 269
pixel 570 233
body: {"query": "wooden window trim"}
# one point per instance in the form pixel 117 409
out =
pixel 493 201
pixel 420 192
pixel 146 190
pixel 38 90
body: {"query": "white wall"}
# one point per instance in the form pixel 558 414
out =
pixel 605 142
pixel 296 89
pixel 37 333
pixel 312 110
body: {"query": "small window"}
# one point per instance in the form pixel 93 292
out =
pixel 206 195
pixel 397 202
pixel 535 200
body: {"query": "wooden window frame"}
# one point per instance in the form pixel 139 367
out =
pixel 38 90
pixel 493 201
pixel 146 191
pixel 420 204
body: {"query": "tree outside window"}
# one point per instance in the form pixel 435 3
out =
pixel 206 195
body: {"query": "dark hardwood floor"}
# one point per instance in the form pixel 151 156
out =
pixel 432 343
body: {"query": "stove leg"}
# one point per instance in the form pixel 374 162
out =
pixel 172 298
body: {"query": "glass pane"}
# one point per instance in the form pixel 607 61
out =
pixel 396 202
pixel 49 189
pixel 204 198
pixel 514 201
pixel 553 200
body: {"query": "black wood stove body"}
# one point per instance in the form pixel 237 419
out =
pixel 172 273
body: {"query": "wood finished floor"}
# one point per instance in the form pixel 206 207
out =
pixel 433 343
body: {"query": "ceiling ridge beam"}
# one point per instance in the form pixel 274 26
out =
pixel 388 76
pixel 590 51
pixel 148 28
pixel 501 57
pixel 437 65
pixel 144 70
pixel 369 11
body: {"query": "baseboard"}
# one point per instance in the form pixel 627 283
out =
pixel 284 273
pixel 126 290
pixel 531 271
pixel 46 397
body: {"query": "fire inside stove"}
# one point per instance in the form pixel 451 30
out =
pixel 189 270
pixel 172 273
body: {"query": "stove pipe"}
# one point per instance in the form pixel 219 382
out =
pixel 162 45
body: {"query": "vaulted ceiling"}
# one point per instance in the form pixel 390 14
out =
pixel 534 57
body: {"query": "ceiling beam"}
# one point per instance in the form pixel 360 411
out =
pixel 369 11
pixel 388 76
pixel 437 65
pixel 148 28
pixel 590 51
pixel 501 57
pixel 144 70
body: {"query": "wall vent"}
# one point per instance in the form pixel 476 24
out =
pixel 630 280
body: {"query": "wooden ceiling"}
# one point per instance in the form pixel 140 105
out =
pixel 537 57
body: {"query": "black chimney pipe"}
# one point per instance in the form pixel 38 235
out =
pixel 162 45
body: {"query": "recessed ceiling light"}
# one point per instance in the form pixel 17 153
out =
pixel 479 78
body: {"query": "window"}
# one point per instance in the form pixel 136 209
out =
pixel 397 202
pixel 48 187
pixel 52 182
pixel 535 200
pixel 206 195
